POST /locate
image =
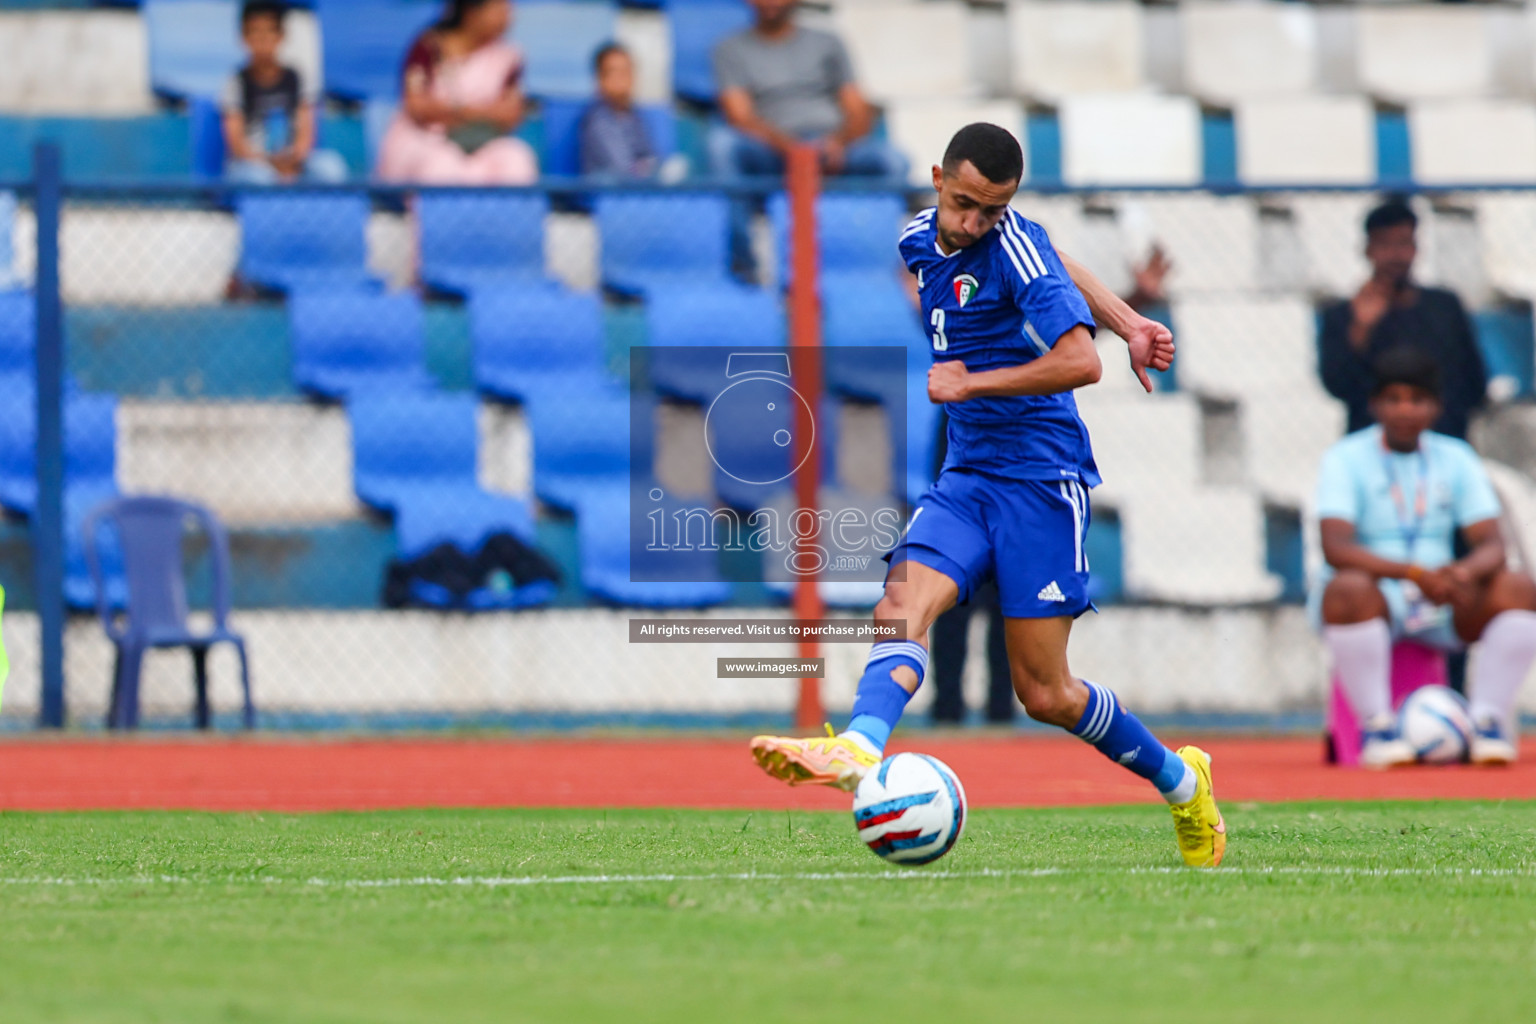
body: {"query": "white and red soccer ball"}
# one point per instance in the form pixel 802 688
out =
pixel 910 809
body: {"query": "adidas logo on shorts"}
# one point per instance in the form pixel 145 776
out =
pixel 1051 592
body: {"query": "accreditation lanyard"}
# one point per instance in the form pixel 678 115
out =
pixel 1411 523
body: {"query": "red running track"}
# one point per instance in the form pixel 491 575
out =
pixel 329 775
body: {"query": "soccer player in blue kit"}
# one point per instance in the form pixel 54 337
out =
pixel 1012 336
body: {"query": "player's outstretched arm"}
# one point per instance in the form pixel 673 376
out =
pixel 1073 362
pixel 1150 343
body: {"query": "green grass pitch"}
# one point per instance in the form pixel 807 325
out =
pixel 1325 912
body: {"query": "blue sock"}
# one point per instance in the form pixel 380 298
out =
pixel 1120 736
pixel 881 700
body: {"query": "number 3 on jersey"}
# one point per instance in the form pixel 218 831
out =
pixel 940 342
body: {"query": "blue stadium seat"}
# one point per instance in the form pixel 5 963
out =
pixel 750 433
pixel 560 154
pixel 720 318
pixel 8 277
pixel 194 45
pixel 415 455
pixel 18 336
pixel 558 40
pixel 1504 336
pixel 922 424
pixel 653 239
pixel 582 441
pixel 870 312
pixel 535 339
pixel 409 441
pixel 616 565
pixel 471 240
pixel 348 343
pixel 296 241
pixel 696 28
pixel 90 445
pixel 365 41
pixel 856 235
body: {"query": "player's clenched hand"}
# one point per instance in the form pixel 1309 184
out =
pixel 1150 344
pixel 948 382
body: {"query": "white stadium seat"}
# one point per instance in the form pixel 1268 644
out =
pixel 1285 433
pixel 1332 232
pixel 1200 545
pixel 1243 51
pixel 1141 441
pixel 1423 51
pixel 1212 241
pixel 1507 224
pixel 648 36
pixel 1471 142
pixel 146 256
pixel 1060 215
pixel 1233 347
pixel 893 47
pixel 75 62
pixel 248 461
pixel 1065 47
pixel 922 128
pixel 1129 139
pixel 1306 140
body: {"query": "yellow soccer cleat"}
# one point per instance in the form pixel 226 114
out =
pixel 1201 830
pixel 828 760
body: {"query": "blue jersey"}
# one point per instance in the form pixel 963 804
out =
pixel 1003 301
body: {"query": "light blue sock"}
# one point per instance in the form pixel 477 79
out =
pixel 1120 736
pixel 881 700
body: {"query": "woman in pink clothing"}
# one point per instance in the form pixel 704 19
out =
pixel 460 97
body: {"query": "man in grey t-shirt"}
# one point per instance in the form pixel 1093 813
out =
pixel 780 85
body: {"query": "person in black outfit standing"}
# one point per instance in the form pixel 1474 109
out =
pixel 1391 311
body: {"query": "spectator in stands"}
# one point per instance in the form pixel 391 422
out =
pixel 1391 311
pixel 1390 500
pixel 460 99
pixel 269 110
pixel 781 85
pixel 614 139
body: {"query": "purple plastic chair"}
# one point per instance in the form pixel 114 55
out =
pixel 149 532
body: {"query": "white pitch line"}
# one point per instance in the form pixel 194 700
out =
pixel 493 881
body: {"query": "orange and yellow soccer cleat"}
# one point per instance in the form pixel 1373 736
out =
pixel 828 760
pixel 1201 830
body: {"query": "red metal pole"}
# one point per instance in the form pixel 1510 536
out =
pixel 804 184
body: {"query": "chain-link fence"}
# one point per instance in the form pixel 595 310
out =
pixel 438 426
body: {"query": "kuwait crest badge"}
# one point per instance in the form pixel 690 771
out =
pixel 966 288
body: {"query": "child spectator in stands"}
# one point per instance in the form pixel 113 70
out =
pixel 1391 311
pixel 460 99
pixel 269 111
pixel 1390 501
pixel 615 142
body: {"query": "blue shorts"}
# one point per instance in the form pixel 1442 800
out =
pixel 1027 534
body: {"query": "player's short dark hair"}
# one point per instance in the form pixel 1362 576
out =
pixel 1389 215
pixel 991 150
pixel 1405 364
pixel 262 9
pixel 605 51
